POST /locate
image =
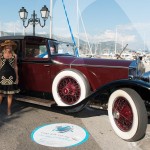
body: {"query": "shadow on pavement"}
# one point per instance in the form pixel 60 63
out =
pixel 89 112
pixel 86 112
pixel 149 120
pixel 16 111
pixel 18 106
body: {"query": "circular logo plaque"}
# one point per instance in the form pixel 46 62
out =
pixel 60 135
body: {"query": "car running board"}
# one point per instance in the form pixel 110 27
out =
pixel 34 100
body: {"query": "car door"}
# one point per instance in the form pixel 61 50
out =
pixel 35 71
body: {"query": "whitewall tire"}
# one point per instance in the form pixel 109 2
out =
pixel 127 114
pixel 70 87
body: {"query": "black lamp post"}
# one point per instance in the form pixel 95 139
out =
pixel 34 20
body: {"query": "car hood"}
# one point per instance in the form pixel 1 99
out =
pixel 97 62
pixel 101 62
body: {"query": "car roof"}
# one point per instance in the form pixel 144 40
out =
pixel 20 37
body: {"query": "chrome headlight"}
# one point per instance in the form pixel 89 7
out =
pixel 136 69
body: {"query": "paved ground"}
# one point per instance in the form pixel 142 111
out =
pixel 15 130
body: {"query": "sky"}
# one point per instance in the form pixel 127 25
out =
pixel 124 21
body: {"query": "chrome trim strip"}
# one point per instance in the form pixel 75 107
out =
pixel 82 65
pixel 57 62
pixel 99 66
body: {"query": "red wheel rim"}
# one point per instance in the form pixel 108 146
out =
pixel 122 113
pixel 69 90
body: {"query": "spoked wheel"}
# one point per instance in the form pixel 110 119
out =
pixel 127 114
pixel 122 113
pixel 69 88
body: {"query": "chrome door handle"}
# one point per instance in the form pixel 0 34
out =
pixel 46 65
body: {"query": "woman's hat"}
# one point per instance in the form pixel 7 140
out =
pixel 8 42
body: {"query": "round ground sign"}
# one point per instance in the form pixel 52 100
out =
pixel 59 135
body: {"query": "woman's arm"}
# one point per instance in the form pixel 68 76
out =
pixel 0 60
pixel 16 69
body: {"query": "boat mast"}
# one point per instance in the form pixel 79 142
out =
pixel 116 40
pixel 0 30
pixel 51 17
pixel 78 24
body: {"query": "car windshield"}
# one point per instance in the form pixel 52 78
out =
pixel 63 48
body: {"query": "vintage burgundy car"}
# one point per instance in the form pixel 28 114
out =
pixel 120 86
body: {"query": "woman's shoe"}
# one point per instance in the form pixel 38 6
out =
pixel 9 113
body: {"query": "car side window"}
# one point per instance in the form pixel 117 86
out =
pixel 35 51
pixel 42 51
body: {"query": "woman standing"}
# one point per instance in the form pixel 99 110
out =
pixel 8 72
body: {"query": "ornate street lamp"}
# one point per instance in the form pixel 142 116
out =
pixel 34 20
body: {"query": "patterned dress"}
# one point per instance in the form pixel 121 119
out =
pixel 8 76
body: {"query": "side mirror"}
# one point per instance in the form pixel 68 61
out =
pixel 140 57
